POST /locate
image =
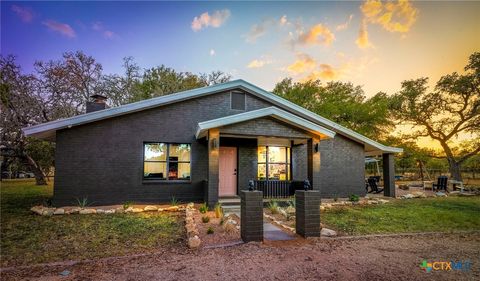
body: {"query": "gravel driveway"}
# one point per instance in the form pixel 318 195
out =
pixel 377 258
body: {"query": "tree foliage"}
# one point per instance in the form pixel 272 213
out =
pixel 451 110
pixel 342 103
pixel 60 89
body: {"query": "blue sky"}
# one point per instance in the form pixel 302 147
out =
pixel 373 44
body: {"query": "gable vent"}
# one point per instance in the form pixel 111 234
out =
pixel 237 100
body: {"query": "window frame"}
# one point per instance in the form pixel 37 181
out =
pixel 167 162
pixel 288 157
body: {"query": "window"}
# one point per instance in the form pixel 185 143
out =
pixel 237 100
pixel 166 161
pixel 273 163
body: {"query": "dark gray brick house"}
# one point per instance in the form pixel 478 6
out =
pixel 205 144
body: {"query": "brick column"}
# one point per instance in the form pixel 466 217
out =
pixel 251 215
pixel 307 213
pixel 388 175
pixel 213 152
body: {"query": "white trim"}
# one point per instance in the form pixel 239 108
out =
pixel 47 130
pixel 277 113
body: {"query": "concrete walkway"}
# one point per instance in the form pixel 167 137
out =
pixel 274 233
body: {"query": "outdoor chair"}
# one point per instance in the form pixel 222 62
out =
pixel 372 182
pixel 442 184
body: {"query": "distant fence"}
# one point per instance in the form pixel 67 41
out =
pixel 414 173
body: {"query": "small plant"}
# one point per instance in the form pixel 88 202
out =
pixel 174 201
pixel 273 206
pixel 210 230
pixel 218 211
pixel 82 203
pixel 335 197
pixel 127 205
pixel 354 198
pixel 203 208
pixel 205 219
pixel 222 220
pixel 291 203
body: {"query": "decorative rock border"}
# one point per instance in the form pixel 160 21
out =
pixel 368 201
pixel 47 211
pixel 191 228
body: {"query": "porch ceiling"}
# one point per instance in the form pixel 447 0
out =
pixel 273 112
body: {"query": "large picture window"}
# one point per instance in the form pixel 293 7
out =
pixel 273 163
pixel 166 161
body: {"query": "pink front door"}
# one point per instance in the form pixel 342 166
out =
pixel 227 171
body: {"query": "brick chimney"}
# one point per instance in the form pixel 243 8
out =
pixel 98 102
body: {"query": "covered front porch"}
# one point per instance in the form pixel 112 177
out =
pixel 275 149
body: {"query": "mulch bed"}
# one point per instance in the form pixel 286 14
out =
pixel 221 235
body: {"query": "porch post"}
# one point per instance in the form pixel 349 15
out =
pixel 213 154
pixel 388 175
pixel 313 163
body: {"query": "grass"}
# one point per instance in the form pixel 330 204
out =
pixel 400 216
pixel 27 238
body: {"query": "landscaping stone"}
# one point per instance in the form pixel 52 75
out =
pixel 137 210
pixel 37 209
pixel 59 211
pixel 172 209
pixel 382 201
pixel 440 194
pixel 327 232
pixel 129 210
pixel 407 196
pixel 87 211
pixel 419 194
pixel 100 211
pixel 194 242
pixel 111 211
pixel 150 208
pixel 47 212
pixel 75 211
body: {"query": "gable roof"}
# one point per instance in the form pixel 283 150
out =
pixel 272 111
pixel 47 130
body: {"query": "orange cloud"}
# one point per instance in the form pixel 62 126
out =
pixel 25 14
pixel 206 20
pixel 258 63
pixel 325 71
pixel 318 34
pixel 394 17
pixel 303 64
pixel 362 39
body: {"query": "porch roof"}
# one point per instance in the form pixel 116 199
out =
pixel 274 112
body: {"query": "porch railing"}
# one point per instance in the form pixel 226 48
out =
pixel 275 188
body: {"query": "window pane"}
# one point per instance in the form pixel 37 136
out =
pixel 277 172
pixel 155 151
pixel 262 154
pixel 155 170
pixel 277 154
pixel 183 171
pixel 179 171
pixel 179 152
pixel 262 171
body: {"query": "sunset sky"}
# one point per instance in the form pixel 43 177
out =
pixel 373 44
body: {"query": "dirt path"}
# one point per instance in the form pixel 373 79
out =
pixel 385 258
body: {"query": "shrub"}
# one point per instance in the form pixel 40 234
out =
pixel 82 203
pixel 335 197
pixel 174 201
pixel 205 219
pixel 203 208
pixel 273 206
pixel 222 220
pixel 291 203
pixel 354 198
pixel 127 204
pixel 210 230
pixel 218 211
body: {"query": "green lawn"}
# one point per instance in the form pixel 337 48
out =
pixel 27 238
pixel 415 215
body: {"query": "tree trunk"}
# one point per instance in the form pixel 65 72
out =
pixel 454 168
pixel 39 175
